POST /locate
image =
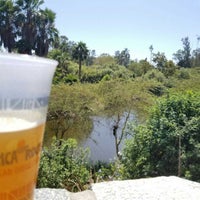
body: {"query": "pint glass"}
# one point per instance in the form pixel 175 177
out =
pixel 25 83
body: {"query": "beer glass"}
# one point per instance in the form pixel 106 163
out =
pixel 25 83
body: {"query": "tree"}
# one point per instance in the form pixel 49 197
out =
pixel 119 137
pixel 62 52
pixel 64 45
pixel 123 57
pixel 80 53
pixel 46 32
pixel 104 59
pixel 63 63
pixel 196 54
pixel 160 60
pixel 7 24
pixel 169 143
pixel 140 68
pixel 163 65
pixel 27 21
pixel 61 42
pixel 151 53
pixel 183 57
pixel 24 27
pixel 196 58
pixel 91 57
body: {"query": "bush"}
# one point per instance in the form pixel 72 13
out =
pixel 140 68
pixel 71 78
pixel 106 78
pixel 183 74
pixel 156 75
pixel 157 90
pixel 94 75
pixel 63 165
pixel 123 73
pixel 169 144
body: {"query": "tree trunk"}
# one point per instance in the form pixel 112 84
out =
pixel 79 70
pixel 179 155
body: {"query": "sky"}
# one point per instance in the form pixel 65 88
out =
pixel 110 25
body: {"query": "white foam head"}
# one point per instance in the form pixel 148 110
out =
pixel 9 124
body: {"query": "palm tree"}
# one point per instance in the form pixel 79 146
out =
pixel 80 53
pixel 27 19
pixel 46 32
pixel 7 24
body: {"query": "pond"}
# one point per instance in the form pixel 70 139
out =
pixel 100 139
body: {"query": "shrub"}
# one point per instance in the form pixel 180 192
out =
pixel 63 165
pixel 123 73
pixel 169 142
pixel 71 78
pixel 156 75
pixel 94 75
pixel 157 90
pixel 140 68
pixel 106 78
pixel 183 74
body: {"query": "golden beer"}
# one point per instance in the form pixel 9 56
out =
pixel 20 147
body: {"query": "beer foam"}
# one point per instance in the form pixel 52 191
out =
pixel 8 124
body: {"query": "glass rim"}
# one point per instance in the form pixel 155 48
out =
pixel 18 59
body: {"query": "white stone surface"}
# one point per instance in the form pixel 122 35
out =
pixel 159 188
pixel 51 194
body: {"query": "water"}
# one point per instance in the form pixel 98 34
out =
pixel 102 141
pixel 96 134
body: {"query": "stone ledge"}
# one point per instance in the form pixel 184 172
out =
pixel 160 188
pixel 62 194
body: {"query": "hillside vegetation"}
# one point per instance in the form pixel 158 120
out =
pixel 163 143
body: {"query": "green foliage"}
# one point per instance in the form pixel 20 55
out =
pixel 189 83
pixel 123 57
pixel 70 108
pixel 155 75
pixel 140 68
pixel 106 78
pixel 25 27
pixel 71 78
pixel 169 142
pixel 157 90
pixel 122 73
pixel 196 57
pixel 47 33
pixel 183 57
pixel 79 101
pixel 103 171
pixel 63 165
pixel 8 25
pixel 157 86
pixel 114 96
pixel 183 74
pixel 170 69
pixel 95 74
pixel 104 59
pixel 162 64
pixel 80 53
pixel 135 158
pixel 63 63
pixel 160 61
